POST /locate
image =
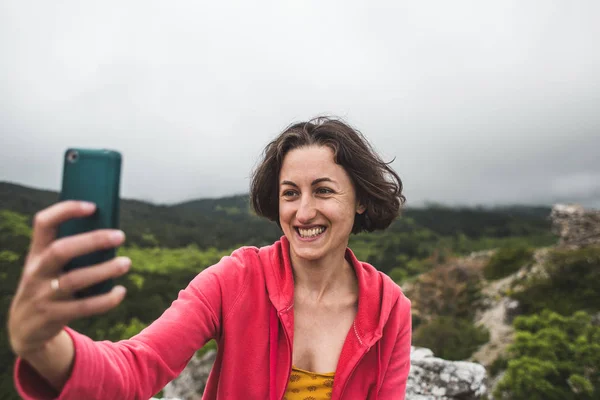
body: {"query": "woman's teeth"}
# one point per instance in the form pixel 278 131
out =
pixel 306 233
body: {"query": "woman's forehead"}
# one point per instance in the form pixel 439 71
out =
pixel 309 164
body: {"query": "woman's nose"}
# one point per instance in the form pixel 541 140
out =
pixel 307 210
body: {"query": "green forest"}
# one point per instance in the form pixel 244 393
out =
pixel 557 339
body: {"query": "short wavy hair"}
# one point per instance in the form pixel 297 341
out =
pixel 378 187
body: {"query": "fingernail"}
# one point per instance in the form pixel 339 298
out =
pixel 117 237
pixel 120 290
pixel 87 206
pixel 124 262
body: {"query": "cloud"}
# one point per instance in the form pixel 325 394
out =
pixel 478 102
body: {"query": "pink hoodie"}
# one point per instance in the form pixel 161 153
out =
pixel 245 302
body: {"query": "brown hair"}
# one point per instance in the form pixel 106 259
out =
pixel 378 187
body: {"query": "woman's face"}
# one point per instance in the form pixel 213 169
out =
pixel 317 203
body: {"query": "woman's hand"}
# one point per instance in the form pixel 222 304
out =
pixel 44 301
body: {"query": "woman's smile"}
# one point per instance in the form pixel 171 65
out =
pixel 310 234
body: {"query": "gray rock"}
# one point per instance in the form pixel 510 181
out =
pixel 189 385
pixel 165 398
pixel 512 310
pixel 576 225
pixel 433 378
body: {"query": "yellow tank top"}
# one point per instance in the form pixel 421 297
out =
pixel 306 385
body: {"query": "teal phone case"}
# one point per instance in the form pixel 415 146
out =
pixel 92 175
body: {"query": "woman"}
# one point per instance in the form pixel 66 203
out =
pixel 299 319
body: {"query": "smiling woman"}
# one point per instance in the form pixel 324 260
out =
pixel 321 181
pixel 299 319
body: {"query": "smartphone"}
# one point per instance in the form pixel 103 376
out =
pixel 92 175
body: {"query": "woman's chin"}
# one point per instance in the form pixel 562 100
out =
pixel 309 257
pixel 307 251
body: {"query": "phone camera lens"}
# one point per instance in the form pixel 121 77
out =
pixel 72 156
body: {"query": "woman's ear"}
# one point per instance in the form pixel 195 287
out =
pixel 360 209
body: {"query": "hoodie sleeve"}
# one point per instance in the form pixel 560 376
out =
pixel 140 367
pixel 396 375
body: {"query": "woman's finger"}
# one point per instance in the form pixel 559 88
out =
pixel 73 309
pixel 61 251
pixel 46 222
pixel 81 278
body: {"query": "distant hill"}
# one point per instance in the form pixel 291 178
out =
pixel 226 222
pixel 220 223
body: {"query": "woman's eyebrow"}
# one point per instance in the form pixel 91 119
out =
pixel 315 182
pixel 290 183
pixel 319 180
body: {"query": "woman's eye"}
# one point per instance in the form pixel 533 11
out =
pixel 324 191
pixel 288 193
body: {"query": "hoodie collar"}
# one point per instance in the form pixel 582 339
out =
pixel 375 295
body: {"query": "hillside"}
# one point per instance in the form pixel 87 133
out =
pixel 228 222
pixel 531 316
pixel 206 223
pixel 170 244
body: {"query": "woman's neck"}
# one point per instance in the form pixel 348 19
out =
pixel 325 280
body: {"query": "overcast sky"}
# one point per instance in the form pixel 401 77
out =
pixel 480 102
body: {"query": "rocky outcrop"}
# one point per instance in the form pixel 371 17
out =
pixel 430 378
pixel 576 225
pixel 189 385
pixel 165 398
pixel 433 378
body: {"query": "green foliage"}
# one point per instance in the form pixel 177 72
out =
pixel 14 224
pixel 580 385
pixel 462 244
pixel 414 251
pixel 211 345
pixel 149 240
pixel 228 210
pixel 136 279
pixel 477 222
pixel 8 256
pixel 529 378
pixel 165 261
pixel 452 290
pixel 10 271
pixel 556 353
pixel 498 365
pixel 571 283
pixel 121 331
pixel 507 260
pixel 451 338
pixel 15 231
pixel 398 274
pixel 553 357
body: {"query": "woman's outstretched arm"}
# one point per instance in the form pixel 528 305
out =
pixel 139 367
pixel 53 359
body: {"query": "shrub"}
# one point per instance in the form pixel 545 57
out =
pixel 507 260
pixel 398 274
pixel 452 290
pixel 553 357
pixel 498 365
pixel 451 338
